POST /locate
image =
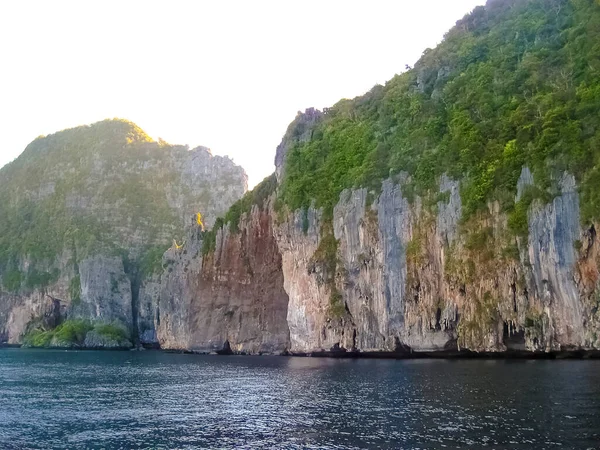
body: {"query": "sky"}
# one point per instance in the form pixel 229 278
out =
pixel 229 75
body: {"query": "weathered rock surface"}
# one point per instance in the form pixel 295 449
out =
pixel 108 195
pixel 105 291
pixel 229 300
pixel 93 339
pixel 384 274
pixel 414 280
pixel 304 283
pixel 405 278
pixel 147 310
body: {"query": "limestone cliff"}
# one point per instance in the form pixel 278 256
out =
pixel 453 209
pixel 391 271
pixel 404 277
pixel 409 280
pixel 229 299
pixel 85 216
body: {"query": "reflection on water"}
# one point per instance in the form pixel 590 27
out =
pixel 62 399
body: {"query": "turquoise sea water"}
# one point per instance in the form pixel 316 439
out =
pixel 129 400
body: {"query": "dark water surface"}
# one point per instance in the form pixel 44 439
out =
pixel 67 399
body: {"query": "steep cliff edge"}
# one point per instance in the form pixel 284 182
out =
pixel 223 291
pixel 407 280
pixel 452 210
pixel 85 216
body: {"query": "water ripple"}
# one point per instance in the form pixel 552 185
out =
pixel 131 400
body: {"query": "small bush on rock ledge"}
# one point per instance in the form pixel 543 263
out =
pixel 79 333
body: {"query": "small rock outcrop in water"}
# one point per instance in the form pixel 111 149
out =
pixel 93 339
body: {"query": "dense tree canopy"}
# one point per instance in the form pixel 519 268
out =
pixel 514 83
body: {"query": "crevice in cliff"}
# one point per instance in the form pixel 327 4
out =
pixel 135 291
pixel 591 236
pixel 438 317
pixel 400 347
pixel 417 290
pixel 53 317
pixel 133 274
pixel 513 291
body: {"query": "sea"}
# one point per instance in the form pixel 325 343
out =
pixel 54 399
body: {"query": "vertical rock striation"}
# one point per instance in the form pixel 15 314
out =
pixel 411 280
pixel 230 299
pixel 84 215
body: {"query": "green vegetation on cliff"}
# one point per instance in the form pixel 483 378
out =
pixel 72 333
pixel 104 188
pixel 514 83
pixel 65 193
pixel 256 196
pixel 68 333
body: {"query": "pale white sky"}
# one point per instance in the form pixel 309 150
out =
pixel 229 75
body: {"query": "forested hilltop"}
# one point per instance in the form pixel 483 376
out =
pixel 87 213
pixel 105 187
pixel 513 84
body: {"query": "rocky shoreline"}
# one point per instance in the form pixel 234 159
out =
pixel 349 354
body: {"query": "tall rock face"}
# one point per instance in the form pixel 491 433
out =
pixel 390 272
pixel 85 215
pixel 229 299
pixel 304 283
pixel 452 209
pixel 409 280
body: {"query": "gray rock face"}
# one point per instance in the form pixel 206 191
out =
pixel 375 275
pixel 104 295
pixel 450 212
pixel 105 291
pixel 410 280
pixel 393 213
pixel 553 230
pixel 207 184
pixel 147 310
